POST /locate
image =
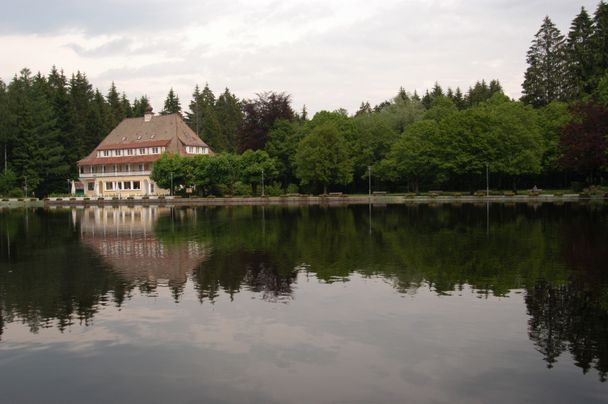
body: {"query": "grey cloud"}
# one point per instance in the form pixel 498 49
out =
pixel 409 43
pixel 109 16
pixel 116 46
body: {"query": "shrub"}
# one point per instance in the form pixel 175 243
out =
pixel 273 189
pixel 480 193
pixel 241 189
pixel 15 193
pixel 292 189
pixel 577 186
pixel 508 193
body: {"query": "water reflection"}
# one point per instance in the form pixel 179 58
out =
pixel 58 268
pixel 124 238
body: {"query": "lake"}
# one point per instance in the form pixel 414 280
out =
pixel 466 303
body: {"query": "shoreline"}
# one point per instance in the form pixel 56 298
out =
pixel 303 200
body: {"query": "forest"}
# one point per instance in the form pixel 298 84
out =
pixel 554 136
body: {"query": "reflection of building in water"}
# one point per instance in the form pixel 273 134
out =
pixel 124 237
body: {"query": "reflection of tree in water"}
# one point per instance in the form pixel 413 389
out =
pixel 573 316
pixel 46 277
pixel 566 318
pixel 253 271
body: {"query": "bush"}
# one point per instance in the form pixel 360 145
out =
pixel 292 189
pixel 15 193
pixel 480 193
pixel 508 193
pixel 241 189
pixel 577 186
pixel 273 189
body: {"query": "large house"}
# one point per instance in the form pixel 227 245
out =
pixel 121 164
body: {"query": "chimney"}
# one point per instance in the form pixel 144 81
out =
pixel 148 115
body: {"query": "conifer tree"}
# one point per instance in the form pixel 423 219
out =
pixel 579 56
pixel 140 106
pixel 600 41
pixel 172 104
pixel 116 107
pixel 459 99
pixel 230 117
pixel 546 73
pixel 126 106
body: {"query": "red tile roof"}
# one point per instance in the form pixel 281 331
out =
pixel 119 160
pixel 135 145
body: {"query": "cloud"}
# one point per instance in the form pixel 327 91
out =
pixel 327 54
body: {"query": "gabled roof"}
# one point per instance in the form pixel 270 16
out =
pixel 169 131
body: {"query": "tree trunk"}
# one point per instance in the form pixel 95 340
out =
pixel 324 189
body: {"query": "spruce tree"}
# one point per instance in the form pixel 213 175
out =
pixel 600 42
pixel 230 117
pixel 546 73
pixel 579 56
pixel 140 106
pixel 117 112
pixel 172 104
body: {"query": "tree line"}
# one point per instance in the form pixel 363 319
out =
pixel 443 139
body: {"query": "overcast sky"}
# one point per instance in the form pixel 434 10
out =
pixel 327 54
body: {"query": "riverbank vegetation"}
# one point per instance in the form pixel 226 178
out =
pixel 447 138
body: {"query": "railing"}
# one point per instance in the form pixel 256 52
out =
pixel 114 174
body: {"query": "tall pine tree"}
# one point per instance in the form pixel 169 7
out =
pixel 579 56
pixel 172 104
pixel 546 73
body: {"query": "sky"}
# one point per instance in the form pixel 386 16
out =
pixel 327 54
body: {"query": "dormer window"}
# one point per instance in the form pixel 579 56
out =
pixel 151 136
pixel 139 137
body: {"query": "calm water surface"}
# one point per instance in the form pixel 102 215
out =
pixel 305 305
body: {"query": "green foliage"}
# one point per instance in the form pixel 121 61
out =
pixel 323 157
pixel 257 164
pixel 547 68
pixel 8 181
pixel 172 104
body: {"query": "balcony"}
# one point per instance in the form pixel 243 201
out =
pixel 114 174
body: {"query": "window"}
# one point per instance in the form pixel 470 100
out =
pixel 91 186
pixel 94 169
pixel 119 185
pixel 109 186
pixel 118 152
pixel 206 150
pixel 136 185
pixel 142 151
pixel 127 185
pixel 141 167
pixel 155 150
pixel 130 152
pixel 151 187
pixel 106 153
pixel 81 170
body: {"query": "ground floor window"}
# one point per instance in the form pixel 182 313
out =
pixel 127 185
pixel 109 186
pixel 91 186
pixel 136 185
pixel 152 188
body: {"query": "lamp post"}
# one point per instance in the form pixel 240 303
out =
pixel 487 179
pixel 369 177
pixel 262 182
pixel 171 190
pixel 69 186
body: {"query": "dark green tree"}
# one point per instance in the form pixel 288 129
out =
pixel 172 104
pixel 323 158
pixel 546 72
pixel 229 113
pixel 580 55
